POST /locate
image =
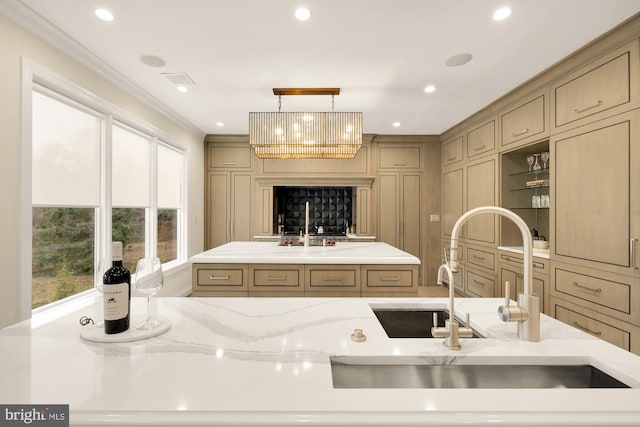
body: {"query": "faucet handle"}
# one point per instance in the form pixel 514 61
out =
pixel 435 319
pixel 466 332
pixel 507 291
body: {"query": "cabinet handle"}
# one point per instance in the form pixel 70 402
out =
pixel 277 277
pixel 482 147
pixel 579 326
pixel 481 258
pixel 578 285
pixel 508 258
pixel 230 163
pixel 452 158
pixel 389 279
pixel 538 265
pixel 587 108
pixel 212 277
pixel 632 247
pixel 331 279
pixel 400 164
pixel 477 282
pixel 521 132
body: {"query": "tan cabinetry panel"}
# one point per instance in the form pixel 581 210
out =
pixel 390 278
pixel 605 87
pixel 331 277
pixel 452 199
pixel 221 157
pixel 272 277
pixel 452 151
pixel 481 258
pixel 481 190
pixel 220 277
pixel 399 157
pixel 481 140
pixel 525 122
pixel 593 326
pixel 540 265
pixel 479 285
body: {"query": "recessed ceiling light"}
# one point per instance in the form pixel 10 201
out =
pixel 104 14
pixel 303 14
pixel 220 124
pixel 502 13
pixel 152 61
pixel 183 89
pixel 430 89
pixel 396 124
pixel 459 59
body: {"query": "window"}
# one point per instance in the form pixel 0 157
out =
pixel 95 180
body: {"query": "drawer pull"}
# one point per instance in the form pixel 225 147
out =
pixel 481 258
pixel 452 158
pixel 587 108
pixel 477 282
pixel 508 258
pixel 579 326
pixel 586 288
pixel 277 277
pixel 538 265
pixel 400 164
pixel 521 132
pixel 230 163
pixel 331 279
pixel 632 253
pixel 389 279
pixel 212 277
pixel 482 147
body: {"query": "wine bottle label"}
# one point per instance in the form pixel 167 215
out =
pixel 116 301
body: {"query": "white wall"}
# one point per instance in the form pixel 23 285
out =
pixel 17 42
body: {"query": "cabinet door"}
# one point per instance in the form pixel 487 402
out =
pixel 452 199
pixel 481 191
pixel 411 202
pixel 218 209
pixel 481 139
pixel 242 207
pixel 452 151
pixel 597 193
pixel 388 202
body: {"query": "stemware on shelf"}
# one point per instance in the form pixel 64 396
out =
pixel 536 165
pixel 148 280
pixel 530 161
pixel 544 156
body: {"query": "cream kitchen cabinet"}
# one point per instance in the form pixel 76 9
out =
pixel 595 209
pixel 453 151
pixel 607 86
pixel 452 199
pixel 228 157
pixel 229 207
pixel 481 139
pixel 481 189
pixel 526 121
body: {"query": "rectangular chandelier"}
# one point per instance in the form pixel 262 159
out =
pixel 310 135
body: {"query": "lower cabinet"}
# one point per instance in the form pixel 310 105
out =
pixel 299 280
pixel 511 270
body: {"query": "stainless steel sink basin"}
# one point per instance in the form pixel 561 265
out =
pixel 469 376
pixel 411 323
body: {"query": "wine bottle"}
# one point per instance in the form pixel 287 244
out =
pixel 117 293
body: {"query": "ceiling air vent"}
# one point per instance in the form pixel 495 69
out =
pixel 180 79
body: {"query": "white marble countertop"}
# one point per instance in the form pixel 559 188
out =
pixel 271 253
pixel 250 361
pixel 350 236
pixel 539 253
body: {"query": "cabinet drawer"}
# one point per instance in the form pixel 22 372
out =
pixel 332 279
pixel 481 139
pixel 594 91
pixel 524 123
pixel 606 293
pixel 229 157
pixel 609 333
pixel 540 265
pixel 220 277
pixel 276 277
pixel 481 258
pixel 399 157
pixel 452 152
pixel 389 278
pixel 480 286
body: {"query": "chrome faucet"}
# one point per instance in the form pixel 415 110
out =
pixel 451 332
pixel 527 309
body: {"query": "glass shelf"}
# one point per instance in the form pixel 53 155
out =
pixel 532 173
pixel 530 188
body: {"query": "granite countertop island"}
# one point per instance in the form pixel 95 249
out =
pixel 272 253
pixel 250 361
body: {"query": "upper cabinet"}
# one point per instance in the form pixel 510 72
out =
pixel 526 121
pixel 229 157
pixel 605 87
pixel 452 151
pixel 399 157
pixel 481 139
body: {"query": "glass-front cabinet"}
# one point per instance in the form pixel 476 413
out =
pixel 525 190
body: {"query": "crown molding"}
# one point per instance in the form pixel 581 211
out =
pixel 41 27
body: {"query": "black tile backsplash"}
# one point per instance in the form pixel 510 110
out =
pixel 330 207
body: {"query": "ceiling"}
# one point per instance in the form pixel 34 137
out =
pixel 381 53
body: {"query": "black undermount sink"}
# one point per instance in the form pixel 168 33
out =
pixel 411 323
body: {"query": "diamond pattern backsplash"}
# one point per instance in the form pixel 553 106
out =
pixel 329 207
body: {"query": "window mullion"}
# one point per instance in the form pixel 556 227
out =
pixel 152 216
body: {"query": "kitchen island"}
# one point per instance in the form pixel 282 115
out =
pixel 263 361
pixel 371 269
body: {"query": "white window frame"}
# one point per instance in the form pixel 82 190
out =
pixel 35 75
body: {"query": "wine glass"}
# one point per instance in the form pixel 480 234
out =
pixel 545 157
pixel 101 267
pixel 530 162
pixel 536 165
pixel 149 279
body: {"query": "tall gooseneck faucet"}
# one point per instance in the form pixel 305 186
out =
pixel 527 310
pixel 451 332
